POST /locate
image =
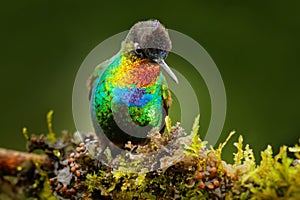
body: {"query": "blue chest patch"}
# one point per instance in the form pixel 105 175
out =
pixel 132 96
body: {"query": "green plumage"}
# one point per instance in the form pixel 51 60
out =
pixel 128 93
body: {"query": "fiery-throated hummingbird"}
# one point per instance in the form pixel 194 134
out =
pixel 128 92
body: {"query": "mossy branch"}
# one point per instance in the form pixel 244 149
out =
pixel 73 167
pixel 12 162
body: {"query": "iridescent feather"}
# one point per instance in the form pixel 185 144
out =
pixel 128 93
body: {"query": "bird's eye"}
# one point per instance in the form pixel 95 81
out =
pixel 139 53
pixel 138 50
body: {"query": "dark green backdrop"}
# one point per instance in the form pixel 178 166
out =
pixel 255 45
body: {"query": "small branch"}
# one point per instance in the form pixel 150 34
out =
pixel 12 161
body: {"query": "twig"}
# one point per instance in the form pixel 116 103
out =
pixel 12 161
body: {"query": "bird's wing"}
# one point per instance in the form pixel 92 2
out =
pixel 166 94
pixel 92 81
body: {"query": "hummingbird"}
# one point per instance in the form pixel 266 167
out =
pixel 128 93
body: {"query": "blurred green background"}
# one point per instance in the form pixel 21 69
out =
pixel 255 45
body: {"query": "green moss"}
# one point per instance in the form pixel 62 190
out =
pixel 190 170
pixel 196 144
pixel 276 177
pixel 51 135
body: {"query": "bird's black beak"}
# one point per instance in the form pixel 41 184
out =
pixel 164 65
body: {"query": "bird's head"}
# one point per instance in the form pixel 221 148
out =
pixel 150 40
